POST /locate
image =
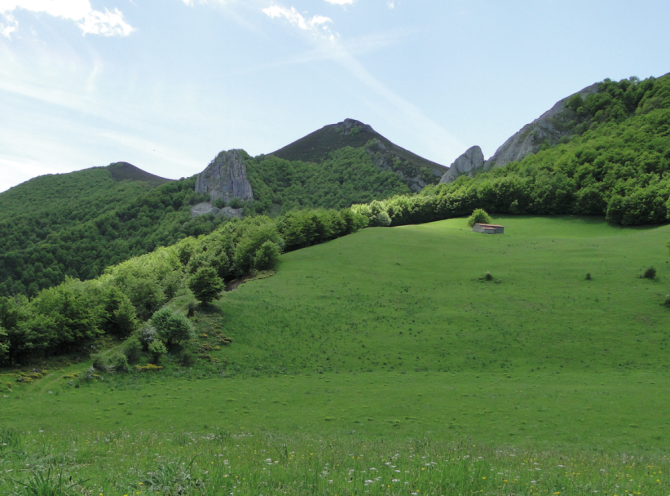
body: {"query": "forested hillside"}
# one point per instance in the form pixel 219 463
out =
pixel 73 314
pixel 77 224
pixel 619 167
pixel 345 177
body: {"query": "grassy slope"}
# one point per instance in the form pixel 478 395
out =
pixel 407 336
pixel 573 372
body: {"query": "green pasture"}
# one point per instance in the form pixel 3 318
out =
pixel 390 343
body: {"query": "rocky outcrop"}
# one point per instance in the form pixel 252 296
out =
pixel 471 162
pixel 547 129
pixel 225 178
pixel 207 208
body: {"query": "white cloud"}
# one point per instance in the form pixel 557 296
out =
pixel 340 2
pixel 7 25
pixel 391 4
pixel 296 19
pixel 90 21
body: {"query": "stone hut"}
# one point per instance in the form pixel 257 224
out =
pixel 488 228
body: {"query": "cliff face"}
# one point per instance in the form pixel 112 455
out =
pixel 548 129
pixel 471 162
pixel 225 178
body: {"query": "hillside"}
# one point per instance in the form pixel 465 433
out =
pixel 607 102
pixel 77 224
pixel 77 194
pixel 316 146
pixel 361 348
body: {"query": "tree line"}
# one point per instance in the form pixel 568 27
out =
pixel 72 315
pixel 619 168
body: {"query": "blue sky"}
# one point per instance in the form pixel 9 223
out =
pixel 167 84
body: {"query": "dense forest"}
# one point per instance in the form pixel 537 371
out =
pixel 71 316
pixel 345 177
pixel 616 164
pixel 75 225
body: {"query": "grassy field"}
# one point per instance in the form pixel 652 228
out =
pixel 391 347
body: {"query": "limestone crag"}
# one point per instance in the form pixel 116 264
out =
pixel 548 129
pixel 207 208
pixel 471 162
pixel 225 178
pixel 545 129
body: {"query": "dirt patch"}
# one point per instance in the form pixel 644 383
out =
pixel 235 283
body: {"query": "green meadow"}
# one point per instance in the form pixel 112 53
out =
pixel 388 349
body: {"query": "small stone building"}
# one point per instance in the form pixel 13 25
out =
pixel 488 228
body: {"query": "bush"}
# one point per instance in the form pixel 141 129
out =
pixel 381 219
pixel 187 359
pixel 172 327
pixel 667 301
pixel 649 273
pixel 479 216
pixel 100 362
pixel 157 350
pixel 132 349
pixel 147 335
pixel 120 363
pixel 588 276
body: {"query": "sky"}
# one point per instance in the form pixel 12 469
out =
pixel 167 84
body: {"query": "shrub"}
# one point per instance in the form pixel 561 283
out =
pixel 479 216
pixel 149 367
pixel 382 219
pixel 667 301
pixel 147 335
pixel 649 273
pixel 157 350
pixel 132 349
pixel 120 363
pixel 100 362
pixel 588 276
pixel 172 327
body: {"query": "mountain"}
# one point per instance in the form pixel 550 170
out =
pixel 77 224
pixel 101 186
pixel 316 146
pixel 571 116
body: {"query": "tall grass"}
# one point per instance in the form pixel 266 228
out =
pixel 125 462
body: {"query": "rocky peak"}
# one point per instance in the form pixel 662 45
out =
pixel 225 178
pixel 545 129
pixel 548 129
pixel 352 126
pixel 471 162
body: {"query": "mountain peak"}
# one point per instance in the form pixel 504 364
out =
pixel 316 146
